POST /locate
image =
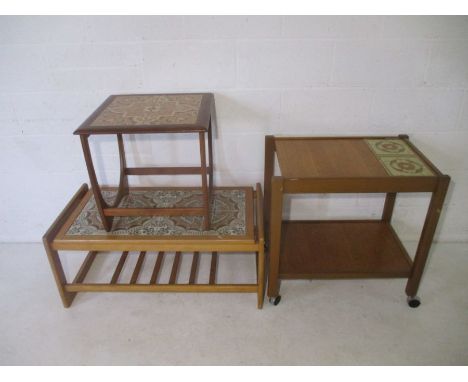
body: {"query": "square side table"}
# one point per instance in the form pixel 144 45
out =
pixel 152 114
pixel 347 248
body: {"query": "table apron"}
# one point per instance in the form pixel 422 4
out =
pixel 358 185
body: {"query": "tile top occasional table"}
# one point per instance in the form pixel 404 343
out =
pixel 347 248
pixel 150 114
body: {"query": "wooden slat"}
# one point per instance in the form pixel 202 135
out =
pixel 175 269
pixel 214 264
pixel 193 211
pixel 157 268
pixel 163 170
pixel 119 267
pixel 88 261
pixel 137 269
pixel 198 288
pixel 194 269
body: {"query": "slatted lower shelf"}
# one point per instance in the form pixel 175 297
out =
pixel 78 284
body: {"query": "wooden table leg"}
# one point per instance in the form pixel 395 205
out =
pixel 268 173
pixel 427 235
pixel 53 255
pixel 100 203
pixel 260 255
pixel 206 204
pixel 388 207
pixel 59 275
pixel 260 277
pixel 276 212
pixel 210 164
pixel 123 182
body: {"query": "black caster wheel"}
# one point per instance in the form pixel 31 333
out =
pixel 265 247
pixel 413 302
pixel 275 300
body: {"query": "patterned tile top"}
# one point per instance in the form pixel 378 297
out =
pixel 398 158
pixel 228 214
pixel 150 110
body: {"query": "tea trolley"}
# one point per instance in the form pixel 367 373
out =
pixel 347 248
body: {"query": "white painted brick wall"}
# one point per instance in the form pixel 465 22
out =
pixel 308 75
pixel 284 63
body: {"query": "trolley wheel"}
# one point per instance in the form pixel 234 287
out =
pixel 414 301
pixel 275 300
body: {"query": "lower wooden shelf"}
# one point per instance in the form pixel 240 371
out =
pixel 153 284
pixel 341 249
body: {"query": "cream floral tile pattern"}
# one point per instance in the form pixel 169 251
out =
pixel 398 158
pixel 150 110
pixel 389 147
pixel 228 214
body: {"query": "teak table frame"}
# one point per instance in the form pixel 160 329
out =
pixel 337 248
pixel 202 125
pixel 56 239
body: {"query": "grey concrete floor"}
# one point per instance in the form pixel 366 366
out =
pixel 320 322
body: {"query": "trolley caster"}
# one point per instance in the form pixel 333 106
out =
pixel 413 302
pixel 275 300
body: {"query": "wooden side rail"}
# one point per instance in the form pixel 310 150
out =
pixel 197 288
pixel 164 170
pixel 181 211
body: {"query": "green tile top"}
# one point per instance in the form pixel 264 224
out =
pixel 398 158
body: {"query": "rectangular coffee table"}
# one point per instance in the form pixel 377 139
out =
pixel 152 114
pixel 159 243
pixel 347 248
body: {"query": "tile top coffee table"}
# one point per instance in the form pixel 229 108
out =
pixel 150 114
pixel 352 248
pixel 150 254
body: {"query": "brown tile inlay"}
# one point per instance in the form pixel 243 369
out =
pixel 150 110
pixel 228 214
